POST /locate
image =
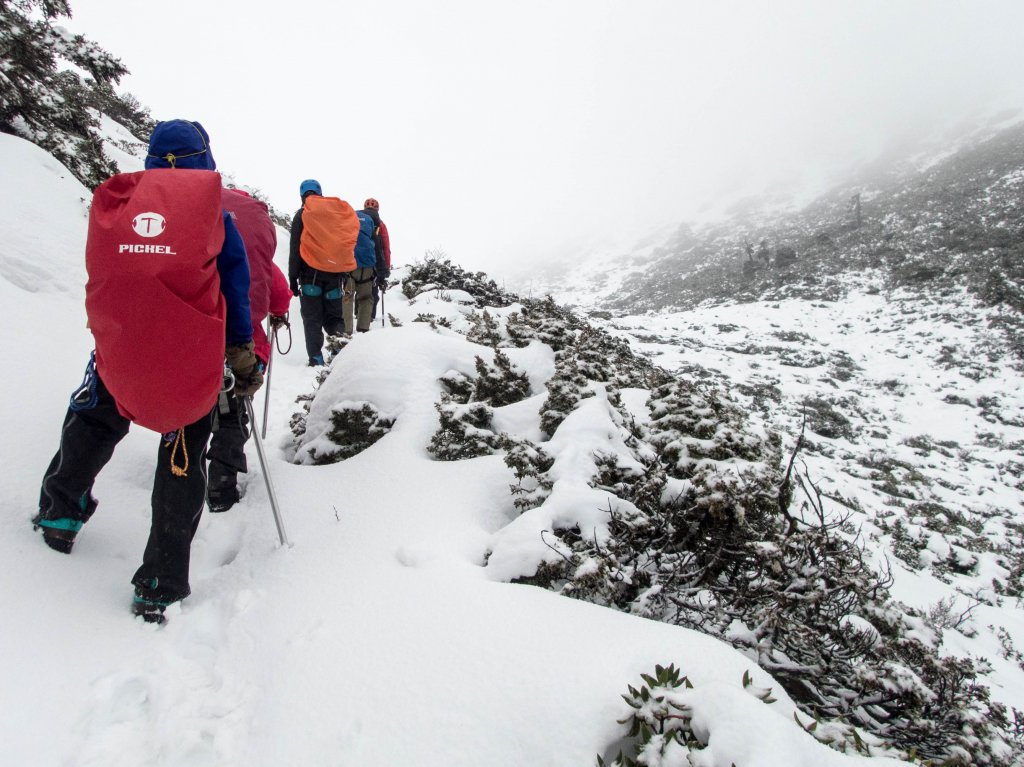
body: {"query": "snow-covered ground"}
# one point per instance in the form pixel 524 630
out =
pixel 377 638
pixel 915 418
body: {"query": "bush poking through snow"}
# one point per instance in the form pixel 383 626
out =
pixel 353 429
pixel 458 386
pixel 464 431
pixel 500 384
pixel 436 270
pixel 529 464
pixel 485 329
pixel 659 726
pixel 707 540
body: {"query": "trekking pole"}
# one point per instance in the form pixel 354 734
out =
pixel 266 384
pixel 382 307
pixel 266 474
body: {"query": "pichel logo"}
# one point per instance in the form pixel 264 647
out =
pixel 149 224
pixel 139 248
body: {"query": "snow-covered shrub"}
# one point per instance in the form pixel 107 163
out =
pixel 593 355
pixel 824 418
pixel 546 321
pixel 464 428
pixel 566 388
pixel 433 320
pixel 695 425
pixel 485 330
pixel 501 383
pixel 706 539
pixel 464 431
pixel 353 429
pixel 439 271
pixel 297 422
pixel 458 386
pixel 530 464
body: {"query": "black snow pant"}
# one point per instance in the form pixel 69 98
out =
pixel 321 309
pixel 227 449
pixel 376 301
pixel 92 428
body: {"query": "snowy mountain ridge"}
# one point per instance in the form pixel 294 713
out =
pixel 944 217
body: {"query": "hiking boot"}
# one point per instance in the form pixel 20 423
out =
pixel 219 504
pixel 58 534
pixel 150 610
pixel 316 361
pixel 222 490
pixel 150 600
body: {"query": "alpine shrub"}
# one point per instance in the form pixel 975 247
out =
pixel 437 271
pixel 530 464
pixel 485 330
pixel 500 384
pixel 464 432
pixel 354 428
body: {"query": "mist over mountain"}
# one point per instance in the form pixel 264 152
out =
pixel 953 216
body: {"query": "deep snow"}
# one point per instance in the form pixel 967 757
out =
pixel 378 638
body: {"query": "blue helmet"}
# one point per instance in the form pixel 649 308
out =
pixel 309 185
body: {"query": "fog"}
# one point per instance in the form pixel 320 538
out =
pixel 508 133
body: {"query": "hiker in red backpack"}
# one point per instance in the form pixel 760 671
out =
pixel 380 283
pixel 321 254
pixel 268 294
pixel 167 301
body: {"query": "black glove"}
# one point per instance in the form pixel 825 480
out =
pixel 243 363
pixel 294 286
pixel 278 321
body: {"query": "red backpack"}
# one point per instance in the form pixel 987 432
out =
pixel 260 237
pixel 153 296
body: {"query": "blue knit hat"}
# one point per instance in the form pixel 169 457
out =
pixel 180 144
pixel 309 185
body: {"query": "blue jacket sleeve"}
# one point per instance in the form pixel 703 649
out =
pixel 233 267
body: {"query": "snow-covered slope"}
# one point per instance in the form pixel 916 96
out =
pixel 914 427
pixel 377 638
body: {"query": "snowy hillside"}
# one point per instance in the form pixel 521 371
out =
pixel 379 637
pixel 953 218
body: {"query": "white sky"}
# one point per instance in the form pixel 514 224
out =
pixel 504 132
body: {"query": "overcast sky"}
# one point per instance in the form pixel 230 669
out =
pixel 524 129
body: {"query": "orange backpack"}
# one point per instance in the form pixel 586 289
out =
pixel 330 228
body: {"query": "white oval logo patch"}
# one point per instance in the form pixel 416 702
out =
pixel 148 224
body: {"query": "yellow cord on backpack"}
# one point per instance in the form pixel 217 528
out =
pixel 179 471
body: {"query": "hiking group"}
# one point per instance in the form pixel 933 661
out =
pixel 180 279
pixel 339 261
